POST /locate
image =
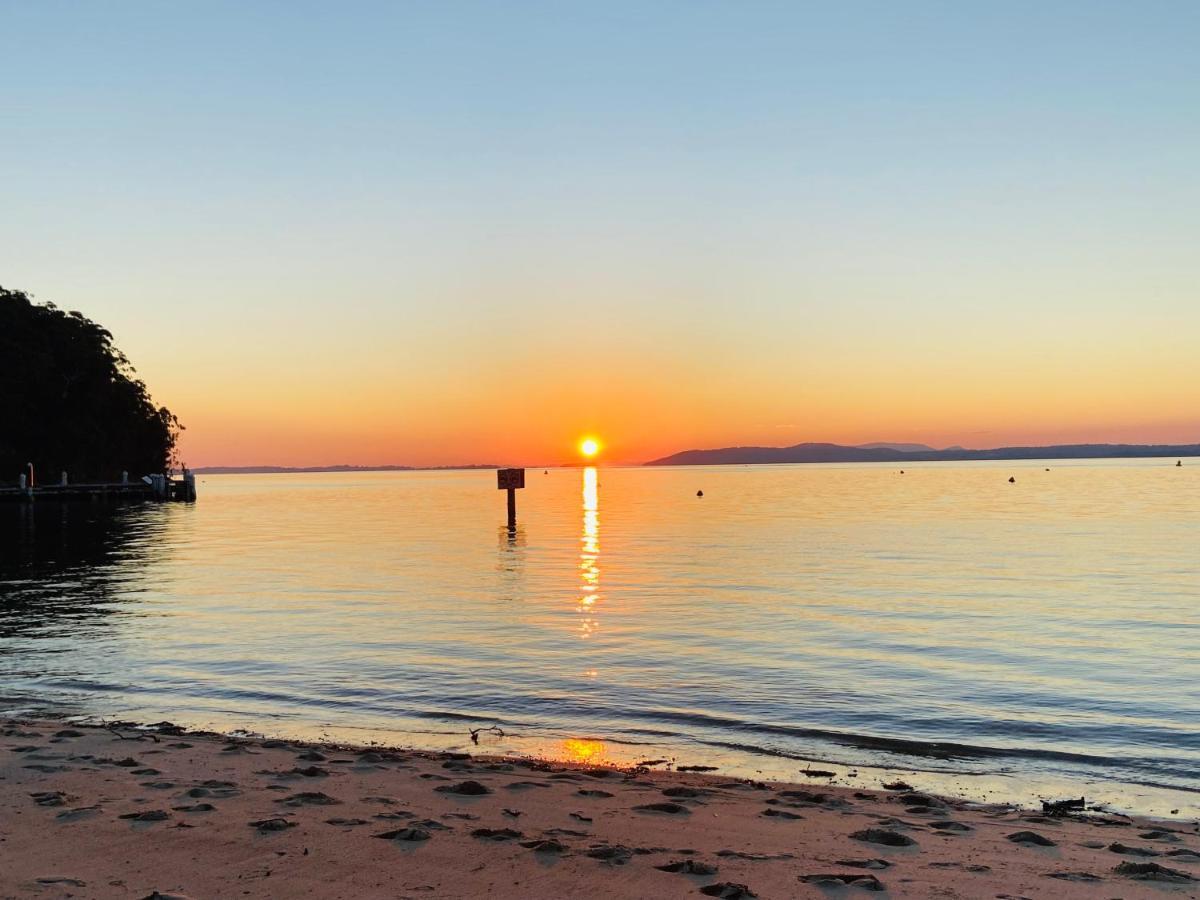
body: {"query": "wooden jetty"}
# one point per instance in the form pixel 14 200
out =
pixel 149 487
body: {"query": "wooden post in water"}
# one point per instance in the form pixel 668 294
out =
pixel 511 480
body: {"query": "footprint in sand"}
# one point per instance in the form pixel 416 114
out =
pixel 544 846
pixel 464 788
pixel 433 825
pixel 779 814
pixel 273 824
pixel 1074 876
pixel 309 798
pixel 51 798
pixel 525 785
pixel 689 867
pixel 844 879
pixel 81 812
pixel 804 796
pixel 1149 871
pixel 1184 855
pixel 567 832
pixel 150 815
pixel 584 792
pixel 757 857
pixel 306 772
pixel 410 834
pixel 865 863
pixel 947 827
pixel 496 834
pixel 670 809
pixel 1126 850
pixel 1159 834
pixel 883 836
pixel 728 890
pixel 1028 838
pixel 400 814
pixel 613 854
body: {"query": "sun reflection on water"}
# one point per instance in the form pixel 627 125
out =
pixel 589 554
pixel 582 750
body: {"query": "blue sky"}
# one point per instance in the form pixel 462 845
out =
pixel 697 222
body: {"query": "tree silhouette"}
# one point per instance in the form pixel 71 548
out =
pixel 70 400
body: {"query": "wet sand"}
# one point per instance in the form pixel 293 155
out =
pixel 91 812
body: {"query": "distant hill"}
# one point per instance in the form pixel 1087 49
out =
pixel 904 448
pixel 825 453
pixel 272 470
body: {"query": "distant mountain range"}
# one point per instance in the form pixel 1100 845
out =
pixel 904 448
pixel 825 453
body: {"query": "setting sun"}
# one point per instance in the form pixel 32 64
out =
pixel 589 447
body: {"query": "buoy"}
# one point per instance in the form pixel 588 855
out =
pixel 699 493
pixel 1012 480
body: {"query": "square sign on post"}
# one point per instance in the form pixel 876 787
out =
pixel 511 480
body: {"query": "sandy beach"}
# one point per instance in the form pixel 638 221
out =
pixel 89 811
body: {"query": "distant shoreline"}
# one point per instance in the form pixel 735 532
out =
pixel 285 470
pixel 829 453
pixel 798 454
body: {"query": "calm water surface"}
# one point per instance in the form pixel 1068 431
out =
pixel 1049 630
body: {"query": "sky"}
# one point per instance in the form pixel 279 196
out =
pixel 443 233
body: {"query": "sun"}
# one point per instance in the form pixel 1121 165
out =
pixel 589 447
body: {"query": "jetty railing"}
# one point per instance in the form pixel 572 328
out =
pixel 149 487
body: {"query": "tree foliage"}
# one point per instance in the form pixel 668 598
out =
pixel 71 400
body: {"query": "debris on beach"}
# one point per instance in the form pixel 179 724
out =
pixel 1058 807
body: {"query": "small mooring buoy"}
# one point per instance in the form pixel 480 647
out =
pixel 699 493
pixel 1012 480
